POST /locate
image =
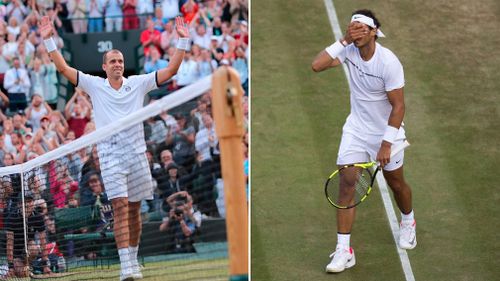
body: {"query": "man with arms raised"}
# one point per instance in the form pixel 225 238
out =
pixel 124 166
pixel 376 81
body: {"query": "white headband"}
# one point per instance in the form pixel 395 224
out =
pixel 368 21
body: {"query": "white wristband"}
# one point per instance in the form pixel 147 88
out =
pixel 50 44
pixel 390 134
pixel 183 44
pixel 335 49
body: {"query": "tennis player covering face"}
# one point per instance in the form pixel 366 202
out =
pixel 124 166
pixel 375 124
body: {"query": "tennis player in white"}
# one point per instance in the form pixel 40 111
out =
pixel 376 82
pixel 124 166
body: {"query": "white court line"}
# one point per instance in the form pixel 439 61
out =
pixel 386 198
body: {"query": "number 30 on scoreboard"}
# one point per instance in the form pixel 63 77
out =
pixel 104 46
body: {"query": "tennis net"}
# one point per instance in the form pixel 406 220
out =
pixel 65 194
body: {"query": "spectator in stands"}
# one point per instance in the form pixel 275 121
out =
pixel 170 8
pixel 166 158
pixel 92 194
pixel 226 39
pixel 241 65
pixel 187 74
pixel 37 77
pixel 159 20
pixel 51 81
pixel 130 19
pixel 149 37
pixel 156 62
pixel 168 37
pixel 19 123
pixel 182 141
pixel 18 144
pixel 46 136
pixel 61 10
pixel 205 65
pixel 24 57
pixel 217 54
pixel 62 186
pixel 16 255
pixel 206 143
pixel 169 120
pixel 37 109
pixel 113 15
pixel 59 125
pixel 213 10
pixel 41 197
pixel 91 165
pixel 95 16
pixel 13 27
pixel 17 83
pixel 53 15
pixel 56 258
pixel 4 66
pixel 242 35
pixel 201 36
pixel 169 181
pixel 17 9
pixel 189 10
pixel 217 27
pixel 182 221
pixel 144 8
pixel 9 49
pixel 77 13
pixel 198 112
pixel 77 112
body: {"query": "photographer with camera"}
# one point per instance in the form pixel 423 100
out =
pixel 181 222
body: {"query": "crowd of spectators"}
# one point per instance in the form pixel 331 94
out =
pixel 182 147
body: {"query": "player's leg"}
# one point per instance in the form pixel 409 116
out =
pixel 402 195
pixel 122 235
pixel 135 229
pixel 114 175
pixel 139 188
pixel 351 150
pixel 402 192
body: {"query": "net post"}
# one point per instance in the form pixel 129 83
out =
pixel 228 115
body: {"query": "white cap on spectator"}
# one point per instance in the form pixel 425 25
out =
pixel 216 38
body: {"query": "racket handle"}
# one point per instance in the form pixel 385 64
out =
pixel 397 149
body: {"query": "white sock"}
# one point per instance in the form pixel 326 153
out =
pixel 125 259
pixel 133 255
pixel 408 217
pixel 343 240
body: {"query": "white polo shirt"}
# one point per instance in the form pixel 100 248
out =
pixel 369 83
pixel 110 105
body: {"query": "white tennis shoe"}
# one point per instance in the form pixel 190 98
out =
pixel 126 275
pixel 408 235
pixel 341 259
pixel 136 271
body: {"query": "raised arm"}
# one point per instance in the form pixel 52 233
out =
pixel 46 28
pixel 182 45
pixel 328 57
pixel 67 108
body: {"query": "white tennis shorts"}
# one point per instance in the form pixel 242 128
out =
pixel 126 175
pixel 356 149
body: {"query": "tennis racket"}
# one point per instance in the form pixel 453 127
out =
pixel 357 181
